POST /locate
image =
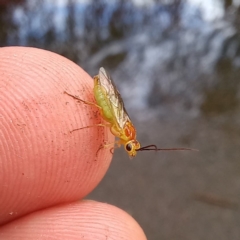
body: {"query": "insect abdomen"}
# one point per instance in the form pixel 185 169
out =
pixel 102 101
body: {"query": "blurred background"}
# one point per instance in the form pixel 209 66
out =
pixel 177 66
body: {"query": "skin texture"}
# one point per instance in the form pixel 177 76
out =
pixel 45 170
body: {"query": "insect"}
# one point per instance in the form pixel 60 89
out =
pixel 111 106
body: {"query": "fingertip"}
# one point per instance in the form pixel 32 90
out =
pixel 82 220
pixel 43 163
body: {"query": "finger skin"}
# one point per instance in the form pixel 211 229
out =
pixel 86 220
pixel 41 163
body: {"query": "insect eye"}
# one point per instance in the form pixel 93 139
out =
pixel 129 147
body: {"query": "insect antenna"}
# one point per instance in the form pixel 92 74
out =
pixel 155 148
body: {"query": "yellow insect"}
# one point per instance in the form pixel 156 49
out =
pixel 111 106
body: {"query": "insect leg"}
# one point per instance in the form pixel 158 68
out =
pixel 96 125
pixel 109 145
pixel 85 102
pixel 116 145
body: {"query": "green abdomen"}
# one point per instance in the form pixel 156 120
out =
pixel 103 101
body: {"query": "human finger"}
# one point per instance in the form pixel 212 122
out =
pixel 81 220
pixel 41 163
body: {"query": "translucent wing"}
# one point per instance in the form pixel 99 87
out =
pixel 115 99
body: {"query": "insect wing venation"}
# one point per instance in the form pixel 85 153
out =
pixel 115 99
